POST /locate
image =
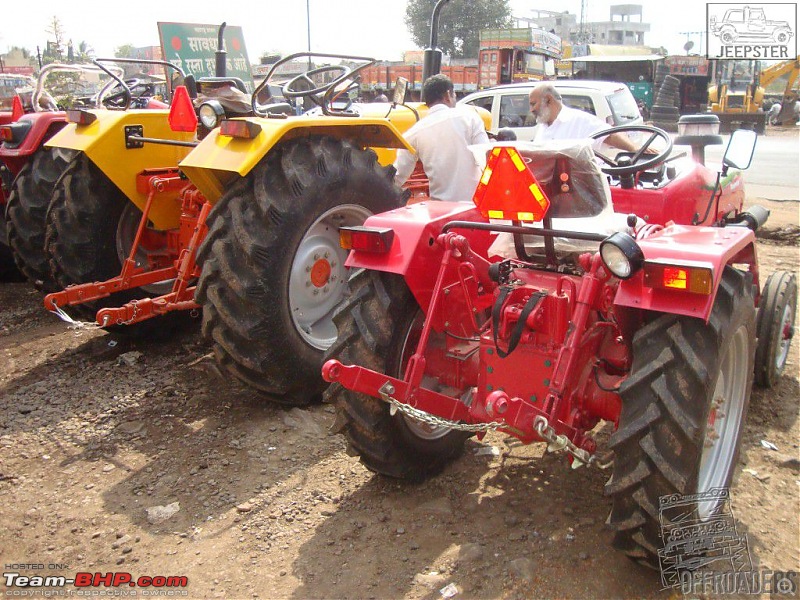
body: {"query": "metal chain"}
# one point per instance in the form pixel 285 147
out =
pixel 555 442
pixel 421 415
pixel 561 442
pixel 387 389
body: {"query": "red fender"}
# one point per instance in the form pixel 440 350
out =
pixel 43 126
pixel 414 252
pixel 713 247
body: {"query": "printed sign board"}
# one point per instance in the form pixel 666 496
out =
pixel 191 47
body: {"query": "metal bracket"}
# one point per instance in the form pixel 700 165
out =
pixel 137 130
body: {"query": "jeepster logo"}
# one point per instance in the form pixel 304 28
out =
pixel 751 31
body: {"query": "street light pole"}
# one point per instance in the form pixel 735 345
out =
pixel 308 31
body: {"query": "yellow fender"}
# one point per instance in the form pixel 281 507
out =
pixel 219 160
pixel 103 141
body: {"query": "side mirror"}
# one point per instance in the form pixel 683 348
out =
pixel 740 150
pixel 400 89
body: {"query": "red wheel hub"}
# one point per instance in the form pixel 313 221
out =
pixel 321 273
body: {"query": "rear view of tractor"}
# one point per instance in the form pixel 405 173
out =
pixel 30 169
pixel 147 220
pixel 543 332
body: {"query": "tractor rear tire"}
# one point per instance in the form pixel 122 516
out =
pixel 378 329
pixel 690 382
pixel 775 327
pixel 27 213
pixel 272 268
pixel 8 268
pixel 85 219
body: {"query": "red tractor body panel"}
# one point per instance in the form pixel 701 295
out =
pixel 683 199
pixel 43 126
pixel 712 247
pixel 414 253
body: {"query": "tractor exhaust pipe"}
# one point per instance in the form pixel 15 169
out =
pixel 753 218
pixel 220 68
pixel 432 56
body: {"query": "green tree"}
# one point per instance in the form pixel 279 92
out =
pixel 460 23
pixel 124 51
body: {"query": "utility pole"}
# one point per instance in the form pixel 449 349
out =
pixel 691 33
pixel 308 31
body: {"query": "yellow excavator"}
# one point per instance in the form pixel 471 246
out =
pixel 791 69
pixel 737 94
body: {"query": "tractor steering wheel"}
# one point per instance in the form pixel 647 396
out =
pixel 631 164
pixel 314 92
pixel 121 97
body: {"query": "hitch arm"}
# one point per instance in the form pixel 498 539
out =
pixel 371 383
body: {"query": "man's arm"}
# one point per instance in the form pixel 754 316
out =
pixel 404 165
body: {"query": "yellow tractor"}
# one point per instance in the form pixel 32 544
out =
pixel 147 220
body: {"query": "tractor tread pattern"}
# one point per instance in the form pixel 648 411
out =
pixel 661 428
pixel 27 214
pixel 368 323
pixel 253 233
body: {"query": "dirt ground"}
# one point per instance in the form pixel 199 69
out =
pixel 96 429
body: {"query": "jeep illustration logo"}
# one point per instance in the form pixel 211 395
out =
pixel 765 31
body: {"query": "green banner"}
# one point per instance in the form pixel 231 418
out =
pixel 191 47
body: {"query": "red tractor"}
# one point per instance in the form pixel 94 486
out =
pixel 459 323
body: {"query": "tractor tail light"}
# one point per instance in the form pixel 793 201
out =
pixel 81 117
pixel 236 128
pixel 366 239
pixel 679 278
pixel 13 133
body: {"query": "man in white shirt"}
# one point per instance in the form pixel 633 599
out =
pixel 559 122
pixel 440 142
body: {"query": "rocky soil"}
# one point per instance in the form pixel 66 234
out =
pixel 139 457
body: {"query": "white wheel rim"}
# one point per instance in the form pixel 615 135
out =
pixel 126 232
pixel 318 279
pixel 420 429
pixel 787 320
pixel 724 421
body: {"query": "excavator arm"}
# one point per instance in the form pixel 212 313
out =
pixel 790 68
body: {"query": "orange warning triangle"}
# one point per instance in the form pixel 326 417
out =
pixel 16 109
pixel 508 190
pixel 181 113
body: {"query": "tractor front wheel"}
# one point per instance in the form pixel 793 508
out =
pixel 272 268
pixel 27 212
pixel 683 411
pixel 379 328
pixel 775 326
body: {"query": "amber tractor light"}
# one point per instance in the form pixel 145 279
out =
pixel 211 113
pixel 366 239
pixel 81 117
pixel 236 128
pixel 621 255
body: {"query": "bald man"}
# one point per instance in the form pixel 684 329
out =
pixel 560 122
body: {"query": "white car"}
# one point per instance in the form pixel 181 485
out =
pixel 509 104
